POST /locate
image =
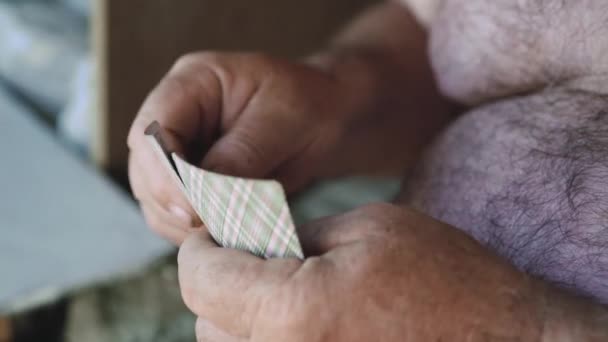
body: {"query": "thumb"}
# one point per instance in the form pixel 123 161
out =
pixel 251 149
pixel 168 140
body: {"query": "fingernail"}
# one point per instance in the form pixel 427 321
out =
pixel 181 214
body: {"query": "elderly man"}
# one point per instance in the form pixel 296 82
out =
pixel 497 111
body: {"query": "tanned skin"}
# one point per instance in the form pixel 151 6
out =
pixel 496 113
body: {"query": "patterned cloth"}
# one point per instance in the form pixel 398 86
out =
pixel 245 214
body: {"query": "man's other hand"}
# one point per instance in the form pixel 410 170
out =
pixel 379 273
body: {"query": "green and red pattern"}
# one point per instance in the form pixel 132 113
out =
pixel 246 214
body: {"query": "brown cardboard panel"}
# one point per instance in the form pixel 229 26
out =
pixel 5 330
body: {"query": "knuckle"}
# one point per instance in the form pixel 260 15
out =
pixel 178 87
pixel 162 192
pixel 187 289
pixel 192 278
pixel 196 59
pixel 188 296
pixel 184 256
pixel 187 61
pixel 193 295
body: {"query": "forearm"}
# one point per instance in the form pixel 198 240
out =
pixel 396 107
pixel 526 178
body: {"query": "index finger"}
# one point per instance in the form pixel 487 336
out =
pixel 227 286
pixel 185 103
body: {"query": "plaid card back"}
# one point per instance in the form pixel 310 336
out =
pixel 246 214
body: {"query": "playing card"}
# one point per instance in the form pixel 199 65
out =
pixel 246 214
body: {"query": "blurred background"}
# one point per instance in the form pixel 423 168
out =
pixel 76 260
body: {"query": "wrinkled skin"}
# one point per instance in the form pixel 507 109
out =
pixel 523 173
pixel 240 107
pixel 333 298
pixel 484 50
pixel 259 116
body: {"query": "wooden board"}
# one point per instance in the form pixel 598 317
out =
pixel 5 330
pixel 137 41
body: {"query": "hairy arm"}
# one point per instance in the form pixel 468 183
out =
pixel 535 161
pixel 383 54
pixel 485 50
pixel 526 177
pixel 525 173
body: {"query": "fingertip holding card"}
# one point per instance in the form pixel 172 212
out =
pixel 245 214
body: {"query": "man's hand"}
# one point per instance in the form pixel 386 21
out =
pixel 380 273
pixel 368 105
pixel 248 114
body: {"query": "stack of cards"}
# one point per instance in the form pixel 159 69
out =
pixel 246 214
